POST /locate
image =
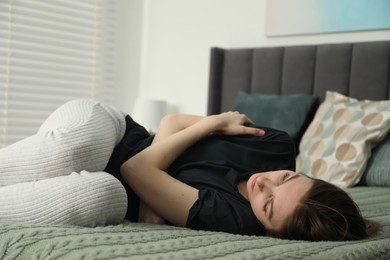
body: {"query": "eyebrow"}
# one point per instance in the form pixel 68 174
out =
pixel 271 211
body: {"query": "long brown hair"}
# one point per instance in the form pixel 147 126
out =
pixel 327 213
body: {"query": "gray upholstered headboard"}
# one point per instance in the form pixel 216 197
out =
pixel 360 70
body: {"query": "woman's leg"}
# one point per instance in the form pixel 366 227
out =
pixel 39 179
pixel 85 199
pixel 79 135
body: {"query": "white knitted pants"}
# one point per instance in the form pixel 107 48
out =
pixel 56 176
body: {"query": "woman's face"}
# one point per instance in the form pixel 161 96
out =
pixel 275 195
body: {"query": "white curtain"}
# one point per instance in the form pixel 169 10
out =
pixel 52 51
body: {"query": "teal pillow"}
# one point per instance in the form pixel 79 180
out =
pixel 289 113
pixel 377 172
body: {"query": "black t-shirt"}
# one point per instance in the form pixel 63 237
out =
pixel 214 165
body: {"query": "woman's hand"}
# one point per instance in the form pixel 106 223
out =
pixel 233 123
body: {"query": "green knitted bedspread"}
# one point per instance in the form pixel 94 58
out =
pixel 145 241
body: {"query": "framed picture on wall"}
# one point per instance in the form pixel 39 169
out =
pixel 296 17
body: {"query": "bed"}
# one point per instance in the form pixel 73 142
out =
pixel 357 70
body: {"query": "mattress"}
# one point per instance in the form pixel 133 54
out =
pixel 148 241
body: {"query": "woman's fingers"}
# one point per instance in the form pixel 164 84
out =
pixel 237 117
pixel 244 130
pixel 254 131
pixel 234 124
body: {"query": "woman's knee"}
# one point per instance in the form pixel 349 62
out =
pixel 84 132
pixel 105 198
pixel 70 114
pixel 85 113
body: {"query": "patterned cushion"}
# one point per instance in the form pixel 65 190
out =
pixel 338 142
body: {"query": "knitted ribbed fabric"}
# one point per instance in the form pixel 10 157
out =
pixel 41 178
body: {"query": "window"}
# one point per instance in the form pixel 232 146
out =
pixel 52 51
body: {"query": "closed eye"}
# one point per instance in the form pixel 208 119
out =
pixel 287 176
pixel 266 204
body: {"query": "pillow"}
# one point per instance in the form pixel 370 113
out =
pixel 377 172
pixel 289 113
pixel 338 142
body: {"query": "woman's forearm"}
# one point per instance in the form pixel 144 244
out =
pixel 169 125
pixel 174 123
pixel 172 141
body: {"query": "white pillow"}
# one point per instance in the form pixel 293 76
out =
pixel 338 142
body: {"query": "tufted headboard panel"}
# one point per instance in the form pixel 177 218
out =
pixel 360 70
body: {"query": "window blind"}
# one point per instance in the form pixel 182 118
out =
pixel 52 51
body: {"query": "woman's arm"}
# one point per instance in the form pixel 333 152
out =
pixel 174 123
pixel 169 125
pixel 145 172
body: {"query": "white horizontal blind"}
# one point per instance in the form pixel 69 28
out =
pixel 52 51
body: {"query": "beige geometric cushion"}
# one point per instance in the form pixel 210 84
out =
pixel 338 142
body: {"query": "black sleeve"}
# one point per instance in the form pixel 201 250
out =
pixel 135 139
pixel 214 212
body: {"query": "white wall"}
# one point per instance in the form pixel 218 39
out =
pixel 177 36
pixel 129 45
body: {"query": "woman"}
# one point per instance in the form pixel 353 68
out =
pixel 201 172
pixel 282 203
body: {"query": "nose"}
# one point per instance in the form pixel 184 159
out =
pixel 264 184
